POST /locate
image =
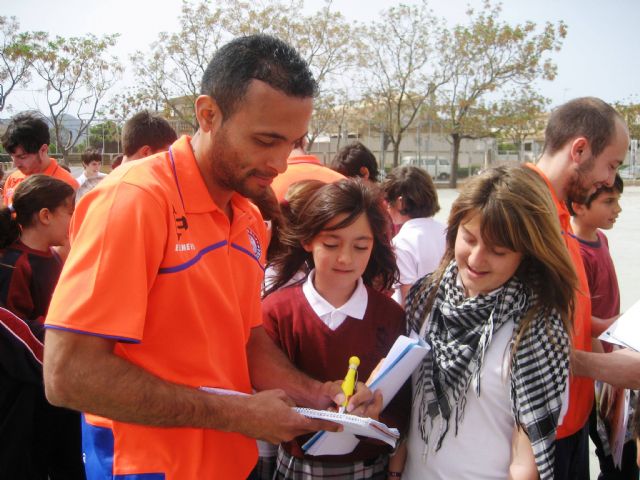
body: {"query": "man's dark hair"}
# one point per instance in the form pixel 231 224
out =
pixel 91 155
pixel 587 117
pixel 351 158
pixel 255 57
pixel 416 188
pixel 28 130
pixel 146 128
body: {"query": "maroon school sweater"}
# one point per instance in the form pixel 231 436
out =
pixel 324 354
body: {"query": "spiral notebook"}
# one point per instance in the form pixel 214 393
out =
pixel 625 331
pixel 355 425
pixel 394 370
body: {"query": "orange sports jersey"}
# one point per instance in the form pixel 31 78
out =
pixel 580 388
pixel 156 265
pixel 53 170
pixel 303 167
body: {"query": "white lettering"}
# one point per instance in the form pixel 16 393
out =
pixel 185 247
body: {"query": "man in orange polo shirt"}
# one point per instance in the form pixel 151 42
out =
pixel 27 141
pixel 586 141
pixel 302 166
pixel 144 134
pixel 180 250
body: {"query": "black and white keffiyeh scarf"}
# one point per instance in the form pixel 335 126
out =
pixel 459 332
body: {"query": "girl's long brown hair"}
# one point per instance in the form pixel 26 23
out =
pixel 351 197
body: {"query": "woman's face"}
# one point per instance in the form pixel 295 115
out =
pixel 482 267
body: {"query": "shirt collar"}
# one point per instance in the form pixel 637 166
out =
pixel 303 159
pixel 193 190
pixel 52 167
pixel 354 307
pixel 561 207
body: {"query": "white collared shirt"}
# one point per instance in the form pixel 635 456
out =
pixel 331 316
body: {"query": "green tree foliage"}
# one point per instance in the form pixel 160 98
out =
pixel 105 136
pixel 78 73
pixel 169 75
pixel 485 55
pixel 630 111
pixel 519 116
pixel 400 70
pixel 18 51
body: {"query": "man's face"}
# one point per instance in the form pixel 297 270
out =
pixel 594 172
pixel 29 163
pixel 251 146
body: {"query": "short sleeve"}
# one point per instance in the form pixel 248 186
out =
pixel 406 261
pixel 118 238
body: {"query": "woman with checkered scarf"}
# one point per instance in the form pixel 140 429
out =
pixel 496 313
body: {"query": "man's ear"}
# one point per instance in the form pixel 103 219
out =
pixel 364 173
pixel 208 113
pixel 307 247
pixel 580 150
pixel 43 151
pixel 144 151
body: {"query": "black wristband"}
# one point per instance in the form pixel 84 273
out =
pixel 394 474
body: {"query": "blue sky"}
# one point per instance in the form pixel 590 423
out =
pixel 599 56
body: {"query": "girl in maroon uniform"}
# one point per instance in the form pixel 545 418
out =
pixel 44 440
pixel 334 312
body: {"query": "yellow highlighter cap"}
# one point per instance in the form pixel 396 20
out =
pixel 354 361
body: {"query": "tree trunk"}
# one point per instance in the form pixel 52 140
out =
pixel 396 154
pixel 453 181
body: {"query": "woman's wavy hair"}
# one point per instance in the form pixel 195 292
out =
pixel 518 213
pixel 350 197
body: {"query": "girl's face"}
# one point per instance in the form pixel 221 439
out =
pixel 59 223
pixel 341 256
pixel 483 268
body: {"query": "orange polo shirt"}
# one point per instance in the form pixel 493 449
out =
pixel 580 388
pixel 156 265
pixel 53 170
pixel 303 167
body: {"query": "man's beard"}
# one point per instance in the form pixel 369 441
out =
pixel 579 188
pixel 225 164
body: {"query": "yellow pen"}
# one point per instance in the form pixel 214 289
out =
pixel 349 384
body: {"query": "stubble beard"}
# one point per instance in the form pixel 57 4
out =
pixel 580 189
pixel 225 165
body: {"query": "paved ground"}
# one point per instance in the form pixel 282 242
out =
pixel 624 242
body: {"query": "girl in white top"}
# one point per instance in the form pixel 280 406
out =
pixel 488 396
pixel 412 201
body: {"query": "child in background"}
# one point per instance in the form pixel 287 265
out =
pixel 419 244
pixel 600 212
pixel 356 161
pixel 42 441
pixel 333 313
pixel 496 313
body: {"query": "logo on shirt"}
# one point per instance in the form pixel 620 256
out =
pixel 185 247
pixel 256 248
pixel 180 222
